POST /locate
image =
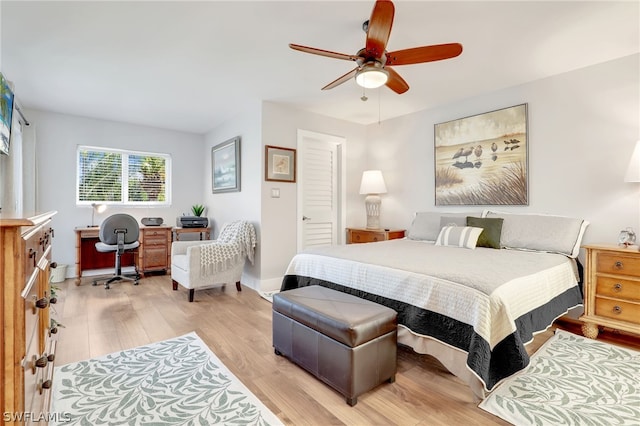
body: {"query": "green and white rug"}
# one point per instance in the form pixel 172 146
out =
pixel 174 382
pixel 572 380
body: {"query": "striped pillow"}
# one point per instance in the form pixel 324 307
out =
pixel 459 236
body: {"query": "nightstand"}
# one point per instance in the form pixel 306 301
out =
pixel 363 235
pixel 154 253
pixel 611 290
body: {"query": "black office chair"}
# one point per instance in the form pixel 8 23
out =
pixel 119 233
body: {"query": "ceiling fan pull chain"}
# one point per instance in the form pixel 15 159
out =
pixel 364 96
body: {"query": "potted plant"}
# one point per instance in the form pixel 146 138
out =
pixel 197 209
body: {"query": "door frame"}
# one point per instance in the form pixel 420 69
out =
pixel 341 184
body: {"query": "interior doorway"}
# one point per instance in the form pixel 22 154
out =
pixel 321 192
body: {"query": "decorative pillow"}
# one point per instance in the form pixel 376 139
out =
pixel 492 229
pixel 427 225
pixel 553 234
pixel 459 236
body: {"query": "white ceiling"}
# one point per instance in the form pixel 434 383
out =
pixel 190 66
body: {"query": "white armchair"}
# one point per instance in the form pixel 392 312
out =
pixel 205 264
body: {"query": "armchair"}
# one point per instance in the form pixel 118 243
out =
pixel 206 264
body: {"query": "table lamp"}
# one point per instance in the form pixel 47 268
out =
pixel 372 184
pixel 95 207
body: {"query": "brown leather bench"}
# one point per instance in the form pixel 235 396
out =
pixel 347 342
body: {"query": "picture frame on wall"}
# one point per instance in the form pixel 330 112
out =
pixel 483 159
pixel 225 166
pixel 280 164
pixel 6 114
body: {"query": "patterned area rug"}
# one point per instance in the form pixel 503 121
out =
pixel 177 381
pixel 572 380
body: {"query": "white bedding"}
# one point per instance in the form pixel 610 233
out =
pixel 489 290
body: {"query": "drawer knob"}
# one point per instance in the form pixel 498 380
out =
pixel 42 303
pixel 617 309
pixel 44 385
pixel 51 357
pixel 618 265
pixel 617 287
pixel 42 361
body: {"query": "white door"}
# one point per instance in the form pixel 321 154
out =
pixel 319 189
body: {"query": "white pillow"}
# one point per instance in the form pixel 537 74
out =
pixel 459 236
pixel 427 225
pixel 553 234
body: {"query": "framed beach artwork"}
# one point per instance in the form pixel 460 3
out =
pixel 225 166
pixel 6 113
pixel 280 164
pixel 483 159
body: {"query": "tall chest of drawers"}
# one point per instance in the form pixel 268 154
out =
pixel 28 352
pixel 612 289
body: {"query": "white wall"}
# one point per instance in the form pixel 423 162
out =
pixel 583 126
pixel 245 205
pixel 279 217
pixel 58 136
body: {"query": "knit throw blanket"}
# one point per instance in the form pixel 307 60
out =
pixel 236 240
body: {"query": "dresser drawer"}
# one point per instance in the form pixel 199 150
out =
pixel 34 248
pixel 617 309
pixel 614 263
pixel 619 288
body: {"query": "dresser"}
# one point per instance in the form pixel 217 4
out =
pixel 28 351
pixel 612 289
pixel 154 253
pixel 363 235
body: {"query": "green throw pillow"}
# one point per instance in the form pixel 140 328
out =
pixel 492 228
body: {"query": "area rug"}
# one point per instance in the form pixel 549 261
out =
pixel 572 380
pixel 176 381
pixel 268 295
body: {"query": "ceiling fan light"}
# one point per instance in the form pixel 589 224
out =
pixel 372 77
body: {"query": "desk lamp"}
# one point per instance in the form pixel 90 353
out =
pixel 95 207
pixel 372 184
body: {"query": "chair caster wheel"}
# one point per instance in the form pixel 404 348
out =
pixel 95 283
pixel 106 287
pixel 277 352
pixel 136 283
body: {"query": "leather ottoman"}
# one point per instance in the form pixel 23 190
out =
pixel 347 342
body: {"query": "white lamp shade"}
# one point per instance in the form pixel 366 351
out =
pixel 633 170
pixel 372 183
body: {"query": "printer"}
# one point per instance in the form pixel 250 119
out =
pixel 192 222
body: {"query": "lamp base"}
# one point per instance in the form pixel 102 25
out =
pixel 372 205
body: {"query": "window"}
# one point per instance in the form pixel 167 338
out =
pixel 123 177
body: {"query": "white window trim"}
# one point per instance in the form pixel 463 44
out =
pixel 125 181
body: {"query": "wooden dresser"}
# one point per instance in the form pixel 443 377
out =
pixel 612 289
pixel 154 253
pixel 363 235
pixel 28 351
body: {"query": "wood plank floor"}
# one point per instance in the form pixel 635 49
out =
pixel 237 328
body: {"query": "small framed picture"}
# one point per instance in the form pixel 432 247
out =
pixel 225 166
pixel 279 164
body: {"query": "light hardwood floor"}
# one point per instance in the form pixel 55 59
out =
pixel 237 328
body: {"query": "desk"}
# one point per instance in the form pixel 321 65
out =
pixel 87 257
pixel 206 232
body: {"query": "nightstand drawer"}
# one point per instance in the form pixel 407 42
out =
pixel 367 237
pixel 617 309
pixel 614 263
pixel 618 288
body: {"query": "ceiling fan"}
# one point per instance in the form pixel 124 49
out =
pixel 374 62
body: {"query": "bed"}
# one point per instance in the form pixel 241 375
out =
pixel 471 302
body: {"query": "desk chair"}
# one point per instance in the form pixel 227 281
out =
pixel 119 233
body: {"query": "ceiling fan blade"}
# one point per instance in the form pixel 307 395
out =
pixel 418 55
pixel 395 82
pixel 341 80
pixel 379 28
pixel 322 52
